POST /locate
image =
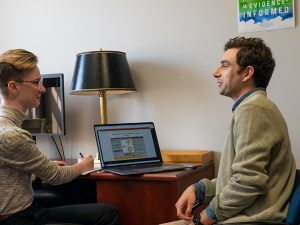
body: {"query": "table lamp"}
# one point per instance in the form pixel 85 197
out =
pixel 102 73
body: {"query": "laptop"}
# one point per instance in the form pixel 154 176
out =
pixel 130 149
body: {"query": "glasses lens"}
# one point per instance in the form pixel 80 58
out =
pixel 41 82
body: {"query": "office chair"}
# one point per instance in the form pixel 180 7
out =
pixel 293 216
pixel 75 192
pixel 63 224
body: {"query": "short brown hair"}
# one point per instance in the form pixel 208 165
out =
pixel 13 65
pixel 254 52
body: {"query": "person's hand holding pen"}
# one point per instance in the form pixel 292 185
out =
pixel 84 164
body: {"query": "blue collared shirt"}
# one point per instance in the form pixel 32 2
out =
pixel 240 99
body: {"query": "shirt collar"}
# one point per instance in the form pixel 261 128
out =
pixel 240 99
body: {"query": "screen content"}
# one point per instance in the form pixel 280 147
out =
pixel 119 143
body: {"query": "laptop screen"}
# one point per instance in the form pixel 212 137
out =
pixel 127 144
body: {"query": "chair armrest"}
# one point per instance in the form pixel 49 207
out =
pixel 49 198
pixel 76 192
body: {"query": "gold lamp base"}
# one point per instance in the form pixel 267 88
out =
pixel 103 108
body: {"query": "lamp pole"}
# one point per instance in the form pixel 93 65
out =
pixel 103 108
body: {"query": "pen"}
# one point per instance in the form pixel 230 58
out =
pixel 81 155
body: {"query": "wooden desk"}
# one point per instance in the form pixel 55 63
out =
pixel 148 199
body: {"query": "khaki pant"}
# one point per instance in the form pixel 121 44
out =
pixel 179 222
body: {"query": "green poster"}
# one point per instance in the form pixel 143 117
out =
pixel 260 15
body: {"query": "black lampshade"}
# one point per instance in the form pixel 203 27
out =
pixel 101 70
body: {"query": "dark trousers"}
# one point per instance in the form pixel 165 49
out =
pixel 85 214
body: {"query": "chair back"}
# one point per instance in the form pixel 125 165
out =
pixel 293 216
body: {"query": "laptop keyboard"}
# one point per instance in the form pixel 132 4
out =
pixel 137 167
pixel 146 168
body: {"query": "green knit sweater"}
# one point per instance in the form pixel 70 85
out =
pixel 19 159
pixel 257 168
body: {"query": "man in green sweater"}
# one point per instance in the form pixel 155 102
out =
pixel 257 168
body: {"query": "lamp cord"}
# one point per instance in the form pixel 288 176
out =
pixel 60 151
pixel 62 148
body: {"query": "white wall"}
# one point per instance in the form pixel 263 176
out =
pixel 172 46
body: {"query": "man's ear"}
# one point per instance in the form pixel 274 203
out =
pixel 12 87
pixel 248 73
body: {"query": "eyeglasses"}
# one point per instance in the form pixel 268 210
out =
pixel 37 83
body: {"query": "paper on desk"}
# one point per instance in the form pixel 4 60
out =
pixel 97 166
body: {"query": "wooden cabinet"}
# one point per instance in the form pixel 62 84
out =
pixel 147 199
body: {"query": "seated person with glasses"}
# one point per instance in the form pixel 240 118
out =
pixel 21 87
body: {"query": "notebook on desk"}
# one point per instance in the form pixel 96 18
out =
pixel 130 148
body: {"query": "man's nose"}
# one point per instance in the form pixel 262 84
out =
pixel 217 72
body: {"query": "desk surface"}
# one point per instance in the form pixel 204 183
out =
pixel 161 176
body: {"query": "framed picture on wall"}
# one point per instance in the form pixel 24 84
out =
pixel 265 15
